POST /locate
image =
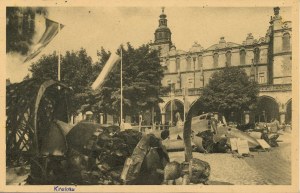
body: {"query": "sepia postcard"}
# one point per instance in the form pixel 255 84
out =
pixel 149 96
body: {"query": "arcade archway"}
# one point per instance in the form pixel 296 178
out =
pixel 267 109
pixel 288 118
pixel 148 116
pixel 172 108
pixel 196 109
pixel 157 114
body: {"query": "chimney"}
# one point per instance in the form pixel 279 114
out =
pixel 222 42
pixel 249 39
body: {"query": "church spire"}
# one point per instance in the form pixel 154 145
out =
pixel 162 33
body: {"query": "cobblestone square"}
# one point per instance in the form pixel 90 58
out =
pixel 263 168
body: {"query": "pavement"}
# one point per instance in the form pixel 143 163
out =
pixel 261 168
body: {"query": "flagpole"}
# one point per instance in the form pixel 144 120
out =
pixel 184 105
pixel 171 96
pixel 121 86
pixel 58 70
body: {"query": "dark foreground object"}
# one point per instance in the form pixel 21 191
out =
pixel 195 171
pixel 96 155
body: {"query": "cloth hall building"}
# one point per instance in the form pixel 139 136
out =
pixel 268 60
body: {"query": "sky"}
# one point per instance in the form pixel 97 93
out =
pixel 95 27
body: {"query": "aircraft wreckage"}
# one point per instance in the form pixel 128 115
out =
pixel 38 132
pixel 211 136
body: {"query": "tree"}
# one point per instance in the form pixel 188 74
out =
pixel 20 28
pixel 76 70
pixel 142 75
pixel 230 90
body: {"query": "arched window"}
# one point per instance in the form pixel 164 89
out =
pixel 228 58
pixel 189 64
pixel 242 57
pixel 177 64
pixel 161 22
pixel 159 35
pixel 166 67
pixel 286 44
pixel 216 59
pixel 200 62
pixel 190 82
pixel 169 83
pixel 256 55
pixel 262 78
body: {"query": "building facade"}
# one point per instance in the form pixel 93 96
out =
pixel 267 60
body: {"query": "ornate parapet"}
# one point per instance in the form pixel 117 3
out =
pixel 275 87
pixel 178 92
pixel 191 92
pixel 194 91
pixel 262 88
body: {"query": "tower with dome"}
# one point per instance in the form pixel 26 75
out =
pixel 162 35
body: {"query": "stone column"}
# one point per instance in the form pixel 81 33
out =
pixel 282 117
pixel 246 117
pixel 152 117
pixel 101 118
pixel 79 117
pixel 163 118
pixel 194 60
pixel 72 119
pixel 216 116
pixel 140 122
